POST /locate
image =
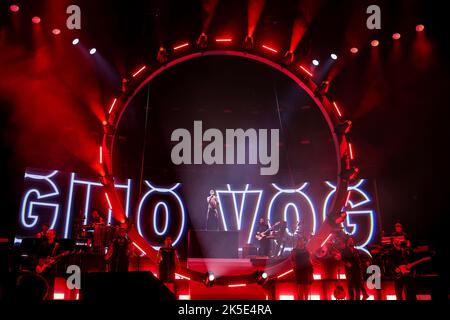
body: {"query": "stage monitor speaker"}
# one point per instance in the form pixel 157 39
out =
pixel 123 287
pixel 213 244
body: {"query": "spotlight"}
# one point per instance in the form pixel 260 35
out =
pixel 315 62
pixel 161 57
pixel 56 32
pixel 248 43
pixel 375 43
pixel 420 28
pixel 396 36
pixel 36 20
pixel 14 8
pixel 349 174
pixel 75 41
pixel 334 56
pixel 202 41
pixel 322 89
pixel 261 277
pixel 289 58
pixel 209 279
pixel 92 51
pixel 354 50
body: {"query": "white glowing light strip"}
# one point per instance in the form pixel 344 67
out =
pixel 317 276
pixel 284 274
pixel 326 240
pixel 112 106
pixel 107 199
pixel 139 71
pixel 166 218
pixel 286 297
pixel 140 249
pixel 237 285
pixel 181 276
pixel 162 190
pixel 184 297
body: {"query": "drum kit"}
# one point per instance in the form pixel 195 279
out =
pixel 99 236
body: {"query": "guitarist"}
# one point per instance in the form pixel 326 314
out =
pixel 263 230
pixel 48 249
pixel 400 255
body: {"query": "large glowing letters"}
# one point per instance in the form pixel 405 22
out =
pixel 89 185
pixel 239 213
pixel 167 213
pixel 287 206
pixel 28 219
pixel 358 199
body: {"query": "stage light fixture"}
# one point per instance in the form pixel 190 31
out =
pixel 396 36
pixel 288 58
pixel 209 279
pixel 375 43
pixel 202 41
pixel 36 20
pixel 343 127
pixel 248 43
pixel 161 56
pixel 315 62
pixel 334 56
pixel 92 51
pixel 322 89
pixel 261 277
pixel 354 50
pixel 75 41
pixel 14 8
pixel 56 32
pixel 420 28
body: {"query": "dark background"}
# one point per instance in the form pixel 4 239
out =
pixel 52 94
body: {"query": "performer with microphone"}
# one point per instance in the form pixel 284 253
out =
pixel 212 215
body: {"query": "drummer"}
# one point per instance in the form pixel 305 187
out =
pixel 96 218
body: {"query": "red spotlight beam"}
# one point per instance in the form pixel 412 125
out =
pixel 255 8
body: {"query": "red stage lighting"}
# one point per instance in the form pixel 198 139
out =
pixel 337 109
pixel 182 277
pixel 14 8
pixel 181 46
pixel 375 43
pixel 396 36
pixel 112 106
pixel 107 199
pixel 269 48
pixel 139 71
pixel 224 40
pixel 101 155
pixel 350 148
pixel 420 28
pixel 56 32
pixel 309 73
pixel 354 50
pixel 36 20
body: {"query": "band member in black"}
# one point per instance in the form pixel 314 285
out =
pixel 403 284
pixel 401 235
pixel 96 218
pixel 47 250
pixel 212 215
pixel 351 259
pixel 263 231
pixel 167 260
pixel 119 252
pixel 43 233
pixel 303 269
pixel 280 237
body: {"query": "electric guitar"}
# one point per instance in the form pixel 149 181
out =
pixel 405 269
pixel 49 261
pixel 262 235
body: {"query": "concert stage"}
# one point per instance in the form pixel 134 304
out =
pixel 223 150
